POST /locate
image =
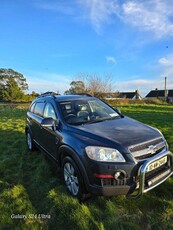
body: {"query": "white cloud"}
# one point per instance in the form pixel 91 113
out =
pixel 151 16
pixel 38 82
pixel 154 15
pixel 166 61
pixel 63 7
pixel 44 86
pixel 144 86
pixel 99 12
pixel 111 59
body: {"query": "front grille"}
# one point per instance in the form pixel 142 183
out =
pixel 148 149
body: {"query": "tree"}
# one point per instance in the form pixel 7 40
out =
pixel 94 85
pixel 12 85
pixel 11 92
pixel 98 86
pixel 77 87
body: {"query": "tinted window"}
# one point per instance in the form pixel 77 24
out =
pixel 49 111
pixel 31 109
pixel 39 107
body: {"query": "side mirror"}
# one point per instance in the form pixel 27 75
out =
pixel 48 122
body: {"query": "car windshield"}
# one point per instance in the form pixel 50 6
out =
pixel 77 112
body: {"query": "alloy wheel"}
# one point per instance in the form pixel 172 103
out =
pixel 29 141
pixel 71 179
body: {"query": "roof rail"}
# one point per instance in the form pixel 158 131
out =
pixel 53 94
pixel 85 94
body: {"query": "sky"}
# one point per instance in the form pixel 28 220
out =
pixel 53 42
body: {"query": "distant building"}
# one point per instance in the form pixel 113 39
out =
pixel 170 96
pixel 161 94
pixel 122 95
pixel 156 94
pixel 130 95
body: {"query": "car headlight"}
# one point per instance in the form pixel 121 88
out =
pixel 104 154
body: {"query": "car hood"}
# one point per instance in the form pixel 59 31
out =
pixel 122 131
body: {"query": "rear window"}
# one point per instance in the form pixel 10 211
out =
pixel 38 109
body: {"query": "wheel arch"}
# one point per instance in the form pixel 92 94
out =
pixel 65 151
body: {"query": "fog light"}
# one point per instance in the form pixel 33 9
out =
pixel 117 175
pixel 120 175
pixel 149 183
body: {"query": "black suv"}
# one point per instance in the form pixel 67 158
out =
pixel 99 150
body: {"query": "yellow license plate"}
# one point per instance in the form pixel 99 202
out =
pixel 157 164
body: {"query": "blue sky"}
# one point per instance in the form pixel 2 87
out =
pixel 52 42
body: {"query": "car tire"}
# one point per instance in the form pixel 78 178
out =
pixel 73 179
pixel 29 141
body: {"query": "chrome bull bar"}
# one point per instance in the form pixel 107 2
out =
pixel 160 177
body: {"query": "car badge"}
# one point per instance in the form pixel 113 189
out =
pixel 151 149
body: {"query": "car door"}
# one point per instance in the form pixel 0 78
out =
pixel 35 119
pixel 50 137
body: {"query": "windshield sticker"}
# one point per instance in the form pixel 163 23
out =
pixel 113 114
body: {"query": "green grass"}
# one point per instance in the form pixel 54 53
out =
pixel 31 184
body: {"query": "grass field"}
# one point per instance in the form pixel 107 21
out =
pixel 30 185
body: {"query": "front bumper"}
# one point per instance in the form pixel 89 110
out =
pixel 146 183
pixel 139 181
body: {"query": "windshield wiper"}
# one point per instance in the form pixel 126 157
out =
pixel 100 120
pixel 95 121
pixel 112 118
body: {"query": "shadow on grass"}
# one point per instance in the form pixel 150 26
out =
pixel 25 181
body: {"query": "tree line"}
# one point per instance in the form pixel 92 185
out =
pixel 13 86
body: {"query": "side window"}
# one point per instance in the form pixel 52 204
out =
pixel 31 109
pixel 38 109
pixel 49 111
